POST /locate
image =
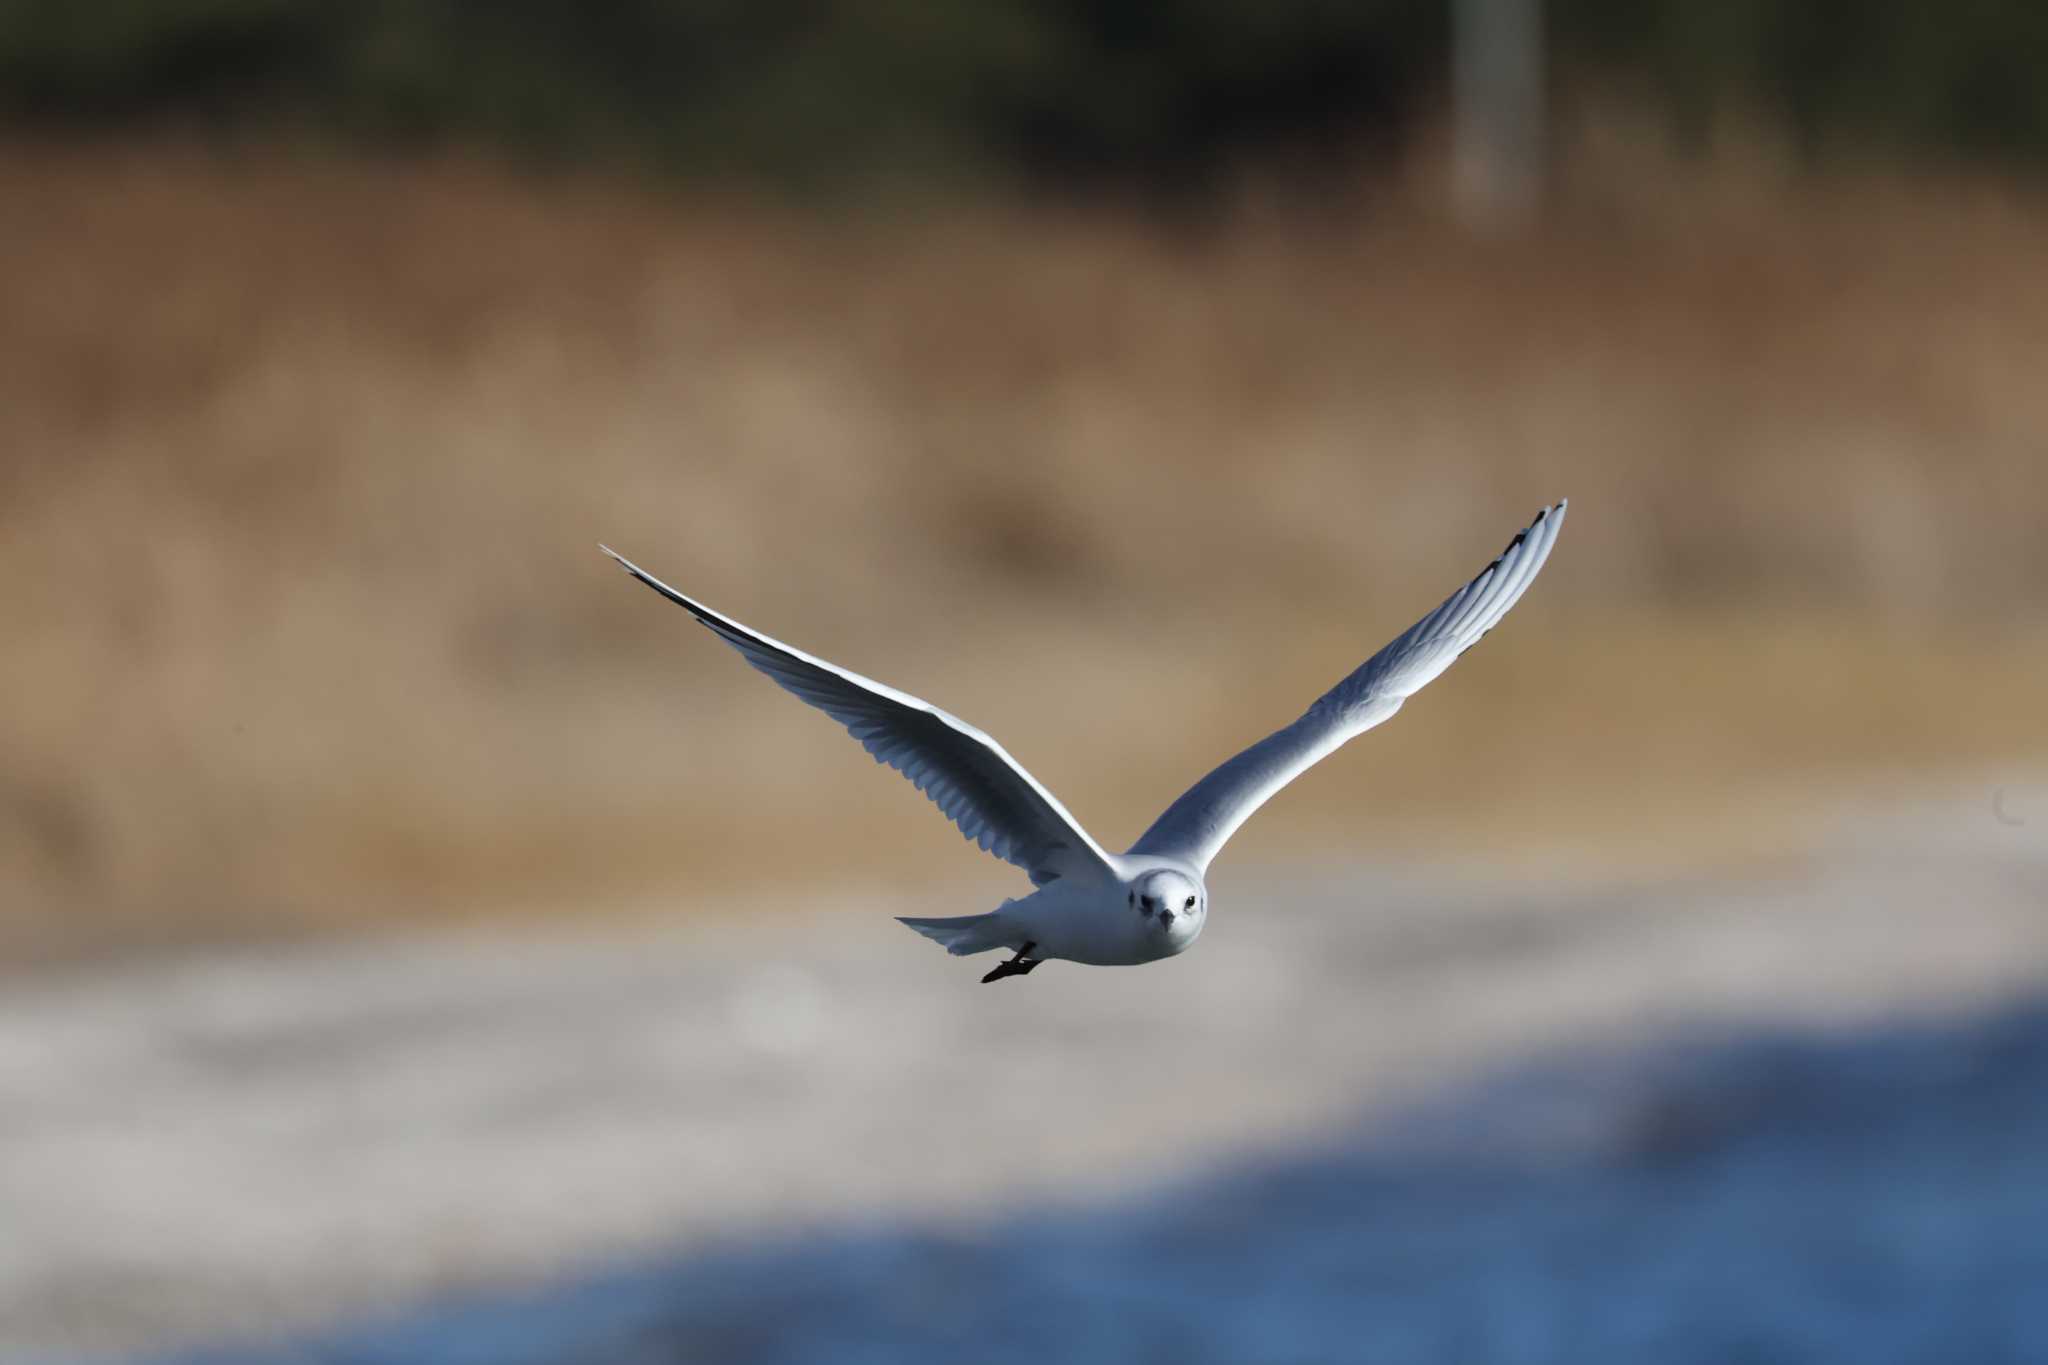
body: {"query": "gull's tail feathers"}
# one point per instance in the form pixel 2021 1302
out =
pixel 962 935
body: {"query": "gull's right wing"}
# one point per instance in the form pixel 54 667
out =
pixel 984 791
pixel 1195 827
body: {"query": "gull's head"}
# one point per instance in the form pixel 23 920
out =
pixel 1171 902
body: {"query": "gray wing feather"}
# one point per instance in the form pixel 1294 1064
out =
pixel 999 807
pixel 1195 827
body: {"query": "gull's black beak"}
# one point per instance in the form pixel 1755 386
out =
pixel 1166 919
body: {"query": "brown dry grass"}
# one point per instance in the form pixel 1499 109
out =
pixel 302 468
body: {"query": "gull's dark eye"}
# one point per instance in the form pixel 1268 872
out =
pixel 1190 904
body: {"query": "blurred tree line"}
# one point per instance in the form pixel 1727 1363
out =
pixel 1164 92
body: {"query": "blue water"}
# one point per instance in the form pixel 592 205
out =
pixel 1874 1199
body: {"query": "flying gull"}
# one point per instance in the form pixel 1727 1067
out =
pixel 1091 905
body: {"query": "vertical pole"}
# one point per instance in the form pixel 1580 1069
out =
pixel 1497 93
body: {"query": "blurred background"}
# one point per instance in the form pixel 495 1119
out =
pixel 417 939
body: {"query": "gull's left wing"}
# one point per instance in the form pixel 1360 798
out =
pixel 969 776
pixel 1195 827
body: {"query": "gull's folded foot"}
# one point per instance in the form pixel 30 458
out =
pixel 1020 965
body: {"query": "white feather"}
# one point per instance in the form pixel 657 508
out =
pixel 1000 807
pixel 1195 827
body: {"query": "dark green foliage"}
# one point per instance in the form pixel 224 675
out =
pixel 1968 75
pixel 1151 92
pixel 803 91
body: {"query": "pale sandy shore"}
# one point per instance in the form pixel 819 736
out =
pixel 248 1144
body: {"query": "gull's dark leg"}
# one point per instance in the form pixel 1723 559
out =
pixel 1020 965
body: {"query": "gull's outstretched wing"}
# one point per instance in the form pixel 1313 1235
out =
pixel 984 791
pixel 1196 826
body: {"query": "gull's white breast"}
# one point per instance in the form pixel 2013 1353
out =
pixel 1092 924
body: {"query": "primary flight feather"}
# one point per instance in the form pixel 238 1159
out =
pixel 1093 906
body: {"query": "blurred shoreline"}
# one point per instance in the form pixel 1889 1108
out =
pixel 364 1129
pixel 1697 1197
